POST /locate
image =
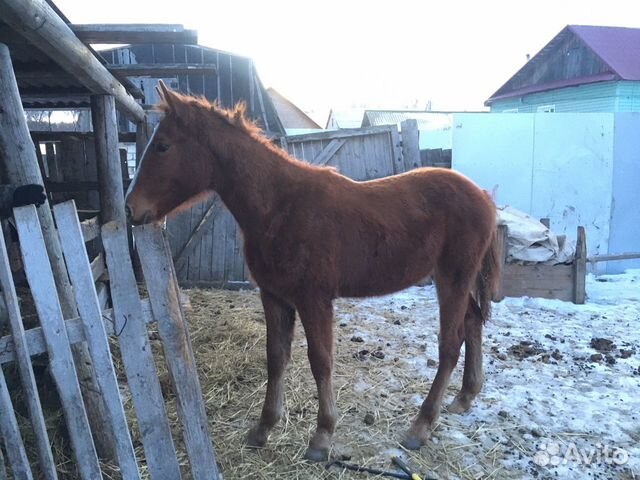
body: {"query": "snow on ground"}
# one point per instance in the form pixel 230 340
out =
pixel 562 391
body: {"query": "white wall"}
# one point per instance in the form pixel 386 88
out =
pixel 625 210
pixel 435 130
pixel 558 166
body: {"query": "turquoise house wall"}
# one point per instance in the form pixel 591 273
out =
pixel 622 96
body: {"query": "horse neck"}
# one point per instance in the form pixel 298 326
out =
pixel 250 180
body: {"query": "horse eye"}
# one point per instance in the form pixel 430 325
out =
pixel 162 147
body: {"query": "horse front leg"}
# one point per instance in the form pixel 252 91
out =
pixel 280 320
pixel 317 320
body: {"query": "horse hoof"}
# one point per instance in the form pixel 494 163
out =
pixel 412 443
pixel 459 405
pixel 256 438
pixel 317 454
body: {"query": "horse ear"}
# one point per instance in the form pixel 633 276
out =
pixel 166 95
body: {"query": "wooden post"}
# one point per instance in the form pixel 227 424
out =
pixel 19 157
pixel 143 134
pixel 164 295
pixel 503 235
pixel 105 127
pixel 410 144
pixel 580 268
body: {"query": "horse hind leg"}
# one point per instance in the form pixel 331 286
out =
pixel 317 320
pixel 452 295
pixel 280 320
pixel 473 376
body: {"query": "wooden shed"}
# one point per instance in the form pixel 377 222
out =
pixel 582 69
pixel 80 294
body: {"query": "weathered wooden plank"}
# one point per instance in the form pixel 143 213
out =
pixel 98 267
pixel 231 233
pixel 193 261
pixel 90 229
pixel 134 33
pixel 229 285
pixel 11 436
pixel 137 357
pixel 617 256
pixel 396 149
pixel 3 470
pixel 206 241
pixel 34 339
pixel 580 268
pixel 103 115
pixel 20 163
pixel 82 276
pixel 21 356
pixel 329 151
pixel 410 144
pixel 161 70
pixel 126 137
pixel 342 133
pixel 547 281
pixel 103 294
pixel 40 277
pixel 502 236
pixel 155 256
pixel 209 216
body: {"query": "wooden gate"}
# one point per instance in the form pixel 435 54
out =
pixel 127 322
pixel 205 241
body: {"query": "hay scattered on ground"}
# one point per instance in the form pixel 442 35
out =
pixel 543 385
pixel 372 377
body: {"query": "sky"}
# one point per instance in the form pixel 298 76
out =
pixel 351 53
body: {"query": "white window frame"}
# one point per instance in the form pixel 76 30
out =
pixel 551 108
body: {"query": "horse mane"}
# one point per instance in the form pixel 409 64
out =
pixel 235 116
pixel 192 106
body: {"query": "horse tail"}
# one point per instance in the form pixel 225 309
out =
pixel 488 279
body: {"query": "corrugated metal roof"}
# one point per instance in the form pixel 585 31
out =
pixel 618 47
pixel 425 120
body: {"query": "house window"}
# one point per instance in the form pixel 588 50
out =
pixel 546 109
pixel 510 110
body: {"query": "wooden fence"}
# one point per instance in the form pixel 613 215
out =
pixel 126 320
pixel 205 241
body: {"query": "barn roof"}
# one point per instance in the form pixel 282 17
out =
pixel 578 55
pixel 45 58
pixel 196 70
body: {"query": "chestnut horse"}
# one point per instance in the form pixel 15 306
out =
pixel 312 235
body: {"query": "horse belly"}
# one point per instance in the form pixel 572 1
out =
pixel 381 276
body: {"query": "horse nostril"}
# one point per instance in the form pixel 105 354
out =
pixel 128 212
